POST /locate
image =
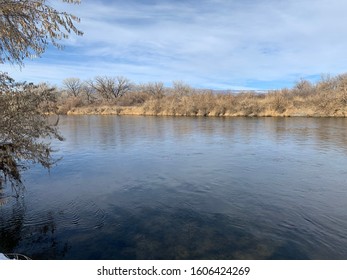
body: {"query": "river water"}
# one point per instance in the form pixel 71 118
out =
pixel 132 187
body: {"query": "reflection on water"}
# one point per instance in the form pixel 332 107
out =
pixel 186 188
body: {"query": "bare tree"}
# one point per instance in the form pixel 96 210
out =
pixel 181 89
pixel 88 92
pixel 155 89
pixel 110 87
pixel 73 86
pixel 103 86
pixel 123 86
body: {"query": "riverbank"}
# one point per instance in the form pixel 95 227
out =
pixel 326 98
pixel 203 112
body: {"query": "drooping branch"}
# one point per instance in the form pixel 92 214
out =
pixel 24 110
pixel 28 27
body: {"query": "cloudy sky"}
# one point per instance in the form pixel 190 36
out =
pixel 219 44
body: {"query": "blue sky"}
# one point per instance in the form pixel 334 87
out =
pixel 219 44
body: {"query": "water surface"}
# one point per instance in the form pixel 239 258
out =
pixel 131 187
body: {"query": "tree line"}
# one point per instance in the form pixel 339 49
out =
pixel 325 97
pixel 109 89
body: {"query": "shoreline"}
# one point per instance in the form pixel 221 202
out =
pixel 142 111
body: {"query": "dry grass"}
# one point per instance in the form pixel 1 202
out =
pixel 327 98
pixel 66 104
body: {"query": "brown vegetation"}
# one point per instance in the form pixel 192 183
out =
pixel 26 30
pixel 23 125
pixel 326 98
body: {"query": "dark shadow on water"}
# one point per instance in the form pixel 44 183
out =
pixel 37 241
pixel 288 251
pixel 180 234
pixel 142 233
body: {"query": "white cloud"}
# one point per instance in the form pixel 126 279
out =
pixel 224 44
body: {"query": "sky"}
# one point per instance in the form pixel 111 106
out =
pixel 215 44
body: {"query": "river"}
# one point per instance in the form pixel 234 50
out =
pixel 133 187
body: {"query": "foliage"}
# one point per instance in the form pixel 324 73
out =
pixel 23 122
pixel 27 27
